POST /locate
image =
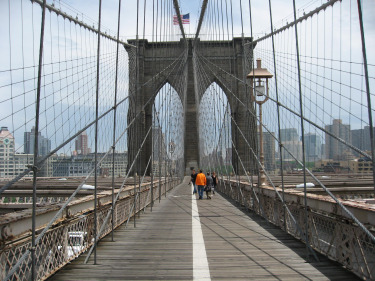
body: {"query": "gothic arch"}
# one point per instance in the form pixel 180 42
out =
pixel 154 71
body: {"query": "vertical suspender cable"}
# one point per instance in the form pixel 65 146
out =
pixel 159 152
pixel 169 136
pixel 158 113
pixel 140 118
pixel 141 166
pixel 215 9
pixel 144 51
pixel 96 131
pixel 253 87
pixel 247 154
pixel 222 19
pixel 137 122
pixel 234 73
pixel 367 89
pixel 152 160
pixel 278 114
pixel 114 117
pixel 167 128
pixel 243 77
pixel 165 111
pixel 35 169
pixel 302 126
pixel 153 111
pixel 10 63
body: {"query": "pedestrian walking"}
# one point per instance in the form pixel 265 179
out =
pixel 192 180
pixel 200 182
pixel 215 181
pixel 209 185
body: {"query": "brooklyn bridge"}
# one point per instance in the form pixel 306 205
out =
pixel 108 108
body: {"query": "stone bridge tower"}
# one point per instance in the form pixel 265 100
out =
pixel 158 63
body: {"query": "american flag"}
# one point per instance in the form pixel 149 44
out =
pixel 184 18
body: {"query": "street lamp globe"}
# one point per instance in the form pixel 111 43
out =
pixel 259 83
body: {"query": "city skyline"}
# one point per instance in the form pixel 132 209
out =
pixel 361 139
pixel 88 13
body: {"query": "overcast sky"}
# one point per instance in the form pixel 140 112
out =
pixel 282 13
pixel 87 11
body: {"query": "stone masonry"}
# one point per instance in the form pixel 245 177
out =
pixel 156 63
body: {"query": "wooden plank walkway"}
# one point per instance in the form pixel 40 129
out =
pixel 238 246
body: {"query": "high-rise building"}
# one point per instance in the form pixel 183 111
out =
pixel 313 147
pixel 268 151
pixel 335 149
pixel 21 162
pixel 74 166
pixel 119 167
pixel 13 164
pixel 289 134
pixel 291 143
pixel 158 143
pixel 44 144
pixel 6 153
pixel 361 139
pixel 82 144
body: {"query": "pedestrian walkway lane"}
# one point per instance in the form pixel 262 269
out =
pixel 188 239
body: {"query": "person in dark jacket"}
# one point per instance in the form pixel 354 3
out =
pixel 209 185
pixel 214 178
pixel 192 180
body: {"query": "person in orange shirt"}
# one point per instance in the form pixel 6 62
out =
pixel 200 181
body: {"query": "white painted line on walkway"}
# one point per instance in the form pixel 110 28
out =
pixel 201 271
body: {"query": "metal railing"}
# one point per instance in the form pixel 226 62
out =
pixel 72 235
pixel 330 230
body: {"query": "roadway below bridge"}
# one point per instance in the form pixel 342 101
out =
pixel 52 191
pixel 188 239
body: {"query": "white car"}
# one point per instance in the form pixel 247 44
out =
pixel 76 243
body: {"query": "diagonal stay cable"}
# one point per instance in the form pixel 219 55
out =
pixel 40 236
pixel 306 16
pixel 82 24
pixel 114 202
pixel 120 190
pixel 322 185
pixel 272 184
pixel 177 9
pixel 203 74
pixel 43 159
pixel 315 178
pixel 290 110
pixel 201 17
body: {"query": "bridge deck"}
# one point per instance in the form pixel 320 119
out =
pixel 165 242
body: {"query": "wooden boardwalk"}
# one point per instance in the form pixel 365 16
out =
pixel 234 246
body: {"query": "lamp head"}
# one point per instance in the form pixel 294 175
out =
pixel 259 72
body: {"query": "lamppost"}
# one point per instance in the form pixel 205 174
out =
pixel 172 147
pixel 260 94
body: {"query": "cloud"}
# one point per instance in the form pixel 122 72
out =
pixel 73 49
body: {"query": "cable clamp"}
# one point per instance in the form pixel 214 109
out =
pixel 33 168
